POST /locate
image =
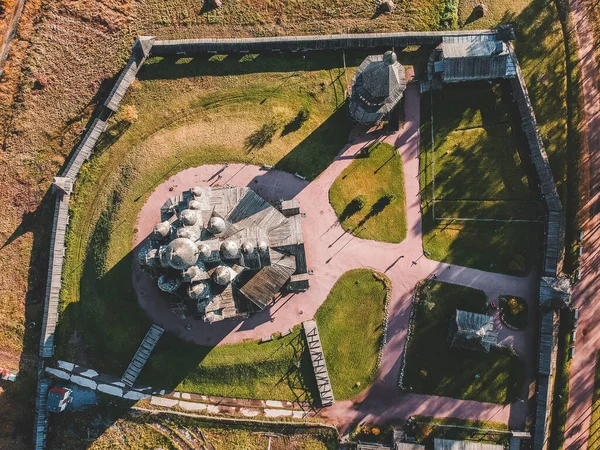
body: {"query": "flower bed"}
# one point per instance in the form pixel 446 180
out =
pixel 514 312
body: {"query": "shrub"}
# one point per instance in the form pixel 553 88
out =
pixel 360 201
pixel 375 431
pixel 40 82
pixel 128 114
pixel 449 14
pixel 515 307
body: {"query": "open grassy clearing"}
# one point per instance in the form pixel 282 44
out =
pixel 475 172
pixel 189 18
pixel 368 196
pixel 352 341
pixel 433 367
pixel 184 121
pixel 280 369
pixel 117 427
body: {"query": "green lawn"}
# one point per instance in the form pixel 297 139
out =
pixel 351 329
pixel 475 172
pixel 434 368
pixel 378 181
pixel 280 369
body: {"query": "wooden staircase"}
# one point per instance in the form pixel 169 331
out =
pixel 318 361
pixel 141 356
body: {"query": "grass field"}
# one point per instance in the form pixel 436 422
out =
pixel 201 119
pixel 351 329
pixel 368 196
pixel 433 367
pixel 116 427
pixel 475 172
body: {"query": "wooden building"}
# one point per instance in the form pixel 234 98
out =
pixel 477 58
pixel 377 88
pixel 472 331
pixel 225 252
pixel 447 444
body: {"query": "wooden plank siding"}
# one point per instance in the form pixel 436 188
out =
pixel 306 43
pixel 554 242
pixel 545 381
pixel 40 424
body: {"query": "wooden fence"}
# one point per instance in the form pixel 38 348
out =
pixel 311 43
pixel 554 243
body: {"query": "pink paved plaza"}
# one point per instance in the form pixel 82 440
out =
pixel 331 252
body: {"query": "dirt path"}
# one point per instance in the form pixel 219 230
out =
pixel 581 383
pixel 11 32
pixel 331 252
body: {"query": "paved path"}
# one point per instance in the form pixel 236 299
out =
pixel 330 253
pixel 585 297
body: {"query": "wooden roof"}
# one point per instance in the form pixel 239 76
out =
pixel 447 444
pixel 473 331
pixel 269 280
pixel 555 292
pixel 377 88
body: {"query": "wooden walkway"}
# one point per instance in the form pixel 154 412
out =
pixel 54 281
pixel 318 361
pixel 141 356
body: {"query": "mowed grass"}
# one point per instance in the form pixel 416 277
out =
pixel 372 178
pixel 434 368
pixel 116 426
pixel 351 329
pixel 280 369
pixel 475 172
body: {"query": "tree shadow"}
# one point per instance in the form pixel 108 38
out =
pixel 296 123
pixel 352 208
pixel 261 137
pixel 316 152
